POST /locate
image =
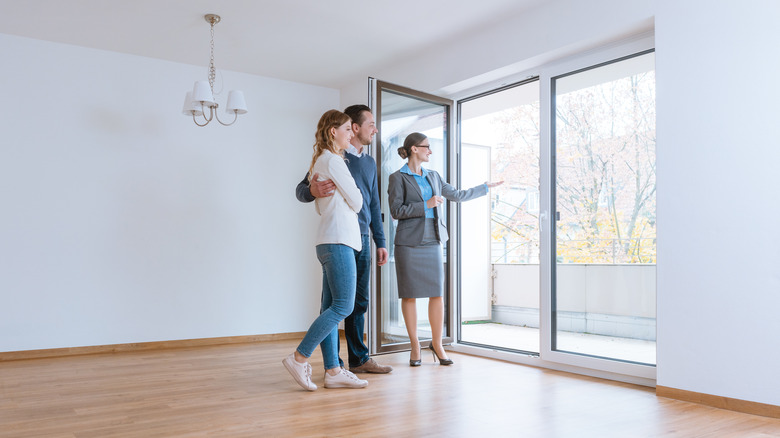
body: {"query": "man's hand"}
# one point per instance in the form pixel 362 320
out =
pixel 381 256
pixel 321 189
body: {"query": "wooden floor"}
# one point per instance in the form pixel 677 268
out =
pixel 244 391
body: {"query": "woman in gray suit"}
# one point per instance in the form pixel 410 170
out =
pixel 415 197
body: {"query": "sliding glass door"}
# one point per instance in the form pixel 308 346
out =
pixel 603 297
pixel 499 253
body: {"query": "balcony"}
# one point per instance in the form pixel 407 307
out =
pixel 605 310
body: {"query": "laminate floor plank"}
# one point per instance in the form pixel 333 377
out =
pixel 242 390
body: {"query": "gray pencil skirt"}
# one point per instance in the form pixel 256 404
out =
pixel 419 269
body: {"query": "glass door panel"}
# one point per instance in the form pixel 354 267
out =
pixel 603 300
pixel 499 253
pixel 400 111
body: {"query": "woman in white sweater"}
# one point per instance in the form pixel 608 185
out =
pixel 338 238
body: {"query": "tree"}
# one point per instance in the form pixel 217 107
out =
pixel 605 173
pixel 605 163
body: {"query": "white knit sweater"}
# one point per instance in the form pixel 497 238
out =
pixel 339 222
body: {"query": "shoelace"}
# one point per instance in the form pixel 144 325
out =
pixel 350 374
pixel 307 370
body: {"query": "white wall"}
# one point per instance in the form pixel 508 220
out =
pixel 718 151
pixel 718 252
pixel 124 222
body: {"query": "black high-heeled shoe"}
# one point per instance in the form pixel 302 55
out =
pixel 418 362
pixel 436 356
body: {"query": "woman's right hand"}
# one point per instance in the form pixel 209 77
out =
pixel 434 201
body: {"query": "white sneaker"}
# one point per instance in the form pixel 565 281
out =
pixel 301 372
pixel 344 379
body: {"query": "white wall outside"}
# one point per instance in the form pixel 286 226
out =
pixel 475 297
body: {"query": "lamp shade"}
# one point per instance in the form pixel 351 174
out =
pixel 191 108
pixel 201 92
pixel 236 103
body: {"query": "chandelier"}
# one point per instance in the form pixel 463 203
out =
pixel 200 100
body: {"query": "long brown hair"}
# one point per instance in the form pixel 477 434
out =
pixel 323 140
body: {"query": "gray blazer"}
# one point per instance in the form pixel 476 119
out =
pixel 408 207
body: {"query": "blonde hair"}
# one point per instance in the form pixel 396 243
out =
pixel 323 140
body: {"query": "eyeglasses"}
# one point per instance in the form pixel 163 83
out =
pixel 423 146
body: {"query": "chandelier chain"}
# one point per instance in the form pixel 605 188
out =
pixel 212 68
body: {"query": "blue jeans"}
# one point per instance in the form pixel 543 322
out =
pixel 338 286
pixel 354 324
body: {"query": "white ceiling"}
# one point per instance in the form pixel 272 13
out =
pixel 321 42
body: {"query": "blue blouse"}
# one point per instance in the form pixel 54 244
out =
pixel 425 187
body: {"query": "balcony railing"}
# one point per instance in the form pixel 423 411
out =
pixel 592 251
pixel 610 300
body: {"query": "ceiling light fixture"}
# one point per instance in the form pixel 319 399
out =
pixel 202 94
